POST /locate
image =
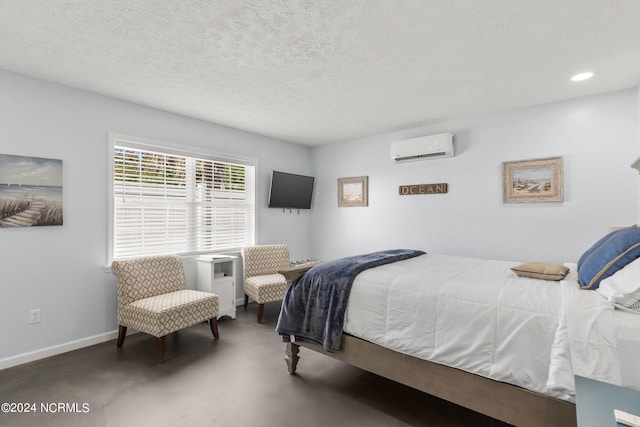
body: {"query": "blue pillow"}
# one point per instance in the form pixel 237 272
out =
pixel 599 243
pixel 608 255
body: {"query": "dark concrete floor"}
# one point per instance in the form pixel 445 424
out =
pixel 239 380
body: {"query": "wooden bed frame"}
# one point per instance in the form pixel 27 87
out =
pixel 505 402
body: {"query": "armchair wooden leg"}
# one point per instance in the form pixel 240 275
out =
pixel 122 332
pixel 161 341
pixel 213 322
pixel 260 312
pixel 246 301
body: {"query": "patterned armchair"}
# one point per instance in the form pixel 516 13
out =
pixel 262 282
pixel 152 299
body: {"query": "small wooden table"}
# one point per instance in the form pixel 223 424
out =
pixel 297 270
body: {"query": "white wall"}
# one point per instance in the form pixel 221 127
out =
pixel 596 136
pixel 638 137
pixel 61 269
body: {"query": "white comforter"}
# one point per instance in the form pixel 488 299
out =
pixel 477 315
pixel 604 342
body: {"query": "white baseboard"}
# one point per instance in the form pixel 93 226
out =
pixel 70 346
pixel 56 349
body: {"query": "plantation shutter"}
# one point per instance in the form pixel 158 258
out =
pixel 167 202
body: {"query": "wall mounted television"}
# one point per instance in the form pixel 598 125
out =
pixel 290 191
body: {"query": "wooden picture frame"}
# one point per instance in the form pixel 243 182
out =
pixel 530 181
pixel 30 191
pixel 353 191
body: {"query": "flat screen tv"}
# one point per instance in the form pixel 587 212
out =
pixel 290 191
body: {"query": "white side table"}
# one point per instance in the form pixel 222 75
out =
pixel 216 274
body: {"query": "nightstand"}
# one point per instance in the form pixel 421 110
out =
pixel 596 400
pixel 216 274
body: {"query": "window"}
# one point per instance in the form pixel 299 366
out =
pixel 173 200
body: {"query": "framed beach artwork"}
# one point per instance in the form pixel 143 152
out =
pixel 538 180
pixel 353 191
pixel 30 191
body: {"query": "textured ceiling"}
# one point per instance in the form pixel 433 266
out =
pixel 324 71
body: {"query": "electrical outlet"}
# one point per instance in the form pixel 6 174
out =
pixel 34 316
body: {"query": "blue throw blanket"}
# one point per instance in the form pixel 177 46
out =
pixel 315 304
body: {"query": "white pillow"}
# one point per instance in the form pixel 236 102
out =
pixel 622 282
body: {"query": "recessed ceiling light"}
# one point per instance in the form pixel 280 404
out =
pixel 582 76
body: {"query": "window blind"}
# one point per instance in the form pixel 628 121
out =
pixel 165 202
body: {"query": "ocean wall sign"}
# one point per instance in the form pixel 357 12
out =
pixel 415 189
pixel 30 191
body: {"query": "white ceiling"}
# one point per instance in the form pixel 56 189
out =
pixel 323 71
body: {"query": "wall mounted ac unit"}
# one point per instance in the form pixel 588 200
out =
pixel 424 147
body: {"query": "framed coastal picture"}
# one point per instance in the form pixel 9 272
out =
pixel 30 191
pixel 538 180
pixel 353 191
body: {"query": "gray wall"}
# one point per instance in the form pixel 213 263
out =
pixel 61 270
pixel 597 137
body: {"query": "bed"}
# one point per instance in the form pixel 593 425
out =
pixel 475 333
